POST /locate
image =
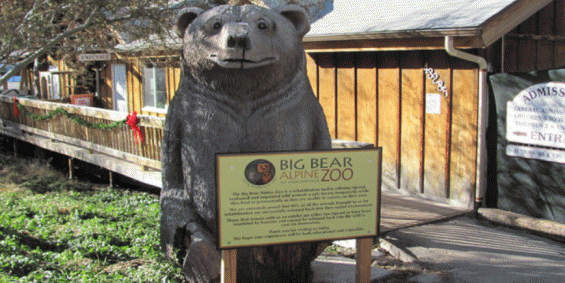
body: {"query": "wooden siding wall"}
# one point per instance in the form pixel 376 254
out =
pixel 379 98
pixel 536 44
pixel 134 69
pixel 106 87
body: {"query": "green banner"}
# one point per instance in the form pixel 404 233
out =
pixel 277 198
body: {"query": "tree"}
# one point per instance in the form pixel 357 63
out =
pixel 31 29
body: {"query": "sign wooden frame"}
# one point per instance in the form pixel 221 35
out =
pixel 316 191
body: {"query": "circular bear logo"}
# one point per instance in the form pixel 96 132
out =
pixel 260 172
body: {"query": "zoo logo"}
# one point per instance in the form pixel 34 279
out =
pixel 260 172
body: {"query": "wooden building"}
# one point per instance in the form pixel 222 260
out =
pixel 408 76
pixel 411 77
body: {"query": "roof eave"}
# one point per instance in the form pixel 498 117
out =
pixel 455 32
pixel 465 38
pixel 509 18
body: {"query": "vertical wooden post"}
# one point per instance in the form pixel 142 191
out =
pixel 111 175
pixel 363 267
pixel 15 143
pixel 229 266
pixel 71 175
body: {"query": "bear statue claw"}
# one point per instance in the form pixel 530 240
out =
pixel 202 261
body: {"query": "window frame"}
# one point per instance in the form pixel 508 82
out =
pixel 159 85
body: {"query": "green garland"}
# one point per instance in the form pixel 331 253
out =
pixel 75 119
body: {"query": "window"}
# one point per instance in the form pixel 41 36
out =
pixel 154 88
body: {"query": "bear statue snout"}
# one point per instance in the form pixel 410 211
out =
pixel 236 36
pixel 241 41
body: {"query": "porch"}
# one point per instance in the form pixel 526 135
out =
pixel 102 137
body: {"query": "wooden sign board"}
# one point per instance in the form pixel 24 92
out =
pixel 94 57
pixel 290 197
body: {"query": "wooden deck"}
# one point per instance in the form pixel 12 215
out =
pixel 402 211
pixel 118 152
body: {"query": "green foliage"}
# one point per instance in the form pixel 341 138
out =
pixel 75 119
pixel 57 230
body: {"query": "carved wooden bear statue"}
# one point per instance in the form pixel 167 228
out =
pixel 244 88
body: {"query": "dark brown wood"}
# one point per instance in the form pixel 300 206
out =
pixel 545 57
pixel 559 17
pixel 546 20
pixel 510 55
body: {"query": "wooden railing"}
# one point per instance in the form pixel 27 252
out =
pixel 116 142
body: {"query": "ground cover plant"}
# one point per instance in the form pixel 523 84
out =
pixel 53 229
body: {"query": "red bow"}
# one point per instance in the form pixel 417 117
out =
pixel 15 107
pixel 132 121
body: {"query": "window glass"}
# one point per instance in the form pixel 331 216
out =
pixel 154 87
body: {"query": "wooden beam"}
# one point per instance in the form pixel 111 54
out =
pixel 509 18
pixel 537 37
pixel 402 34
pixel 388 44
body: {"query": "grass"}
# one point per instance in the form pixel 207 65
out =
pixel 57 230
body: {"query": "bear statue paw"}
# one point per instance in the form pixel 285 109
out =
pixel 202 261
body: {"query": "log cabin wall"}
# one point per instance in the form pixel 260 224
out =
pixel 134 68
pixel 106 87
pixel 380 98
pixel 134 82
pixel 536 44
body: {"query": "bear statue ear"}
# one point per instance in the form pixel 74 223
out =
pixel 297 16
pixel 185 17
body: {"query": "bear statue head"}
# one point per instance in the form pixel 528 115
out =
pixel 242 48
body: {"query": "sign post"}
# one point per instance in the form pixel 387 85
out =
pixel 292 197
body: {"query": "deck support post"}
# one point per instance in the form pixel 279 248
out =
pixel 363 267
pixel 228 272
pixel 71 175
pixel 15 143
pixel 111 177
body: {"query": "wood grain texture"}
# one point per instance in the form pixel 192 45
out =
pixel 545 57
pixel 510 55
pixel 527 58
pixel 346 100
pixel 312 72
pixel 464 134
pixel 327 88
pixel 366 98
pixel 559 17
pixel 411 156
pixel 436 129
pixel 389 118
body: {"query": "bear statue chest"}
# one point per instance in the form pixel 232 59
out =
pixel 269 128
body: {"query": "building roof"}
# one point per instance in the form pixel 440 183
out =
pixel 370 19
pixel 400 24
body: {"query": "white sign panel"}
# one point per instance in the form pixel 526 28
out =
pixel 552 155
pixel 536 116
pixel 433 103
pixel 95 57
